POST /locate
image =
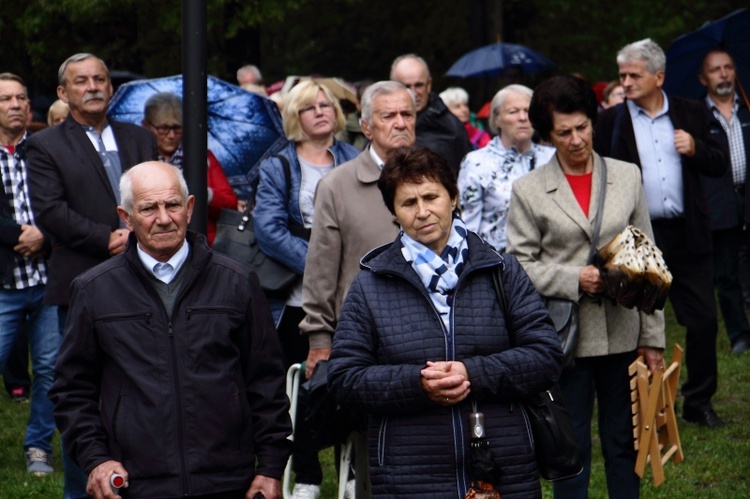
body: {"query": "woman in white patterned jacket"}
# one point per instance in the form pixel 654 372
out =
pixel 486 175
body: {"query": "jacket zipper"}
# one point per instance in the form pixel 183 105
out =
pixel 459 447
pixel 178 399
pixel 381 440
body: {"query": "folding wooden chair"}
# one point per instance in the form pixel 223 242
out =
pixel 657 438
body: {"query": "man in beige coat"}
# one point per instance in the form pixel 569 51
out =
pixel 350 216
pixel 350 220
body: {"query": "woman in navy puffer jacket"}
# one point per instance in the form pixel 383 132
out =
pixel 422 336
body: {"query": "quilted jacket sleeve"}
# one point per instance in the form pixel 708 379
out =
pixel 534 362
pixel 354 375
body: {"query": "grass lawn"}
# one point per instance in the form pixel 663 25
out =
pixel 716 465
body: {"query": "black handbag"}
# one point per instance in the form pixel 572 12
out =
pixel 235 237
pixel 564 313
pixel 329 422
pixel 554 440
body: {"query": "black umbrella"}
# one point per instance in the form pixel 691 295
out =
pixel 685 56
pixel 493 60
pixel 482 469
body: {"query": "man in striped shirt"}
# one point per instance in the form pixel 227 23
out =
pixel 726 195
pixel 23 274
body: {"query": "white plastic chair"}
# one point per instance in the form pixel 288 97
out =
pixel 292 391
pixel 293 377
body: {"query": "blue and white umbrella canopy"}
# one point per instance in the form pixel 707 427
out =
pixel 243 127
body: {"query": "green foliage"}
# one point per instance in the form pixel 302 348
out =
pixel 585 35
pixel 354 39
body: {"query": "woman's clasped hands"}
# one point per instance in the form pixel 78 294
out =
pixel 445 383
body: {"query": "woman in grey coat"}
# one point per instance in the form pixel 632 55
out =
pixel 550 228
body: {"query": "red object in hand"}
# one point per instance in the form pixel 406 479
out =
pixel 116 481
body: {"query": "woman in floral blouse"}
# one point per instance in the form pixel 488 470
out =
pixel 487 174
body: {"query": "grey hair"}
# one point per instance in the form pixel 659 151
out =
pixel 253 70
pixel 499 99
pixel 76 58
pixel 126 188
pixel 385 87
pixel 454 95
pixel 409 56
pixel 163 103
pixel 645 50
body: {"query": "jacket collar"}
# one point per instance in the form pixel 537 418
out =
pixel 557 186
pixel 367 170
pixel 76 129
pixel 389 260
pixel 201 253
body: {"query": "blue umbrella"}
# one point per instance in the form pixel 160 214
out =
pixel 243 127
pixel 685 55
pixel 492 60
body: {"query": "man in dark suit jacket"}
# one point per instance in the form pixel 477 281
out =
pixel 74 172
pixel 670 140
pixel 726 195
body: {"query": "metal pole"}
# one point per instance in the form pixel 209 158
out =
pixel 194 92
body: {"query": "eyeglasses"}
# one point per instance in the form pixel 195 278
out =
pixel 321 106
pixel 165 129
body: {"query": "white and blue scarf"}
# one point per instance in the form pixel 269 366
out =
pixel 439 274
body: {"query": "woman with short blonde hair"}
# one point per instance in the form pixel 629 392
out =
pixel 283 215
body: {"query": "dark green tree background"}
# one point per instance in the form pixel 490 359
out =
pixel 354 39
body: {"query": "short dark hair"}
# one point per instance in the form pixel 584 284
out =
pixel 413 164
pixel 710 53
pixel 562 94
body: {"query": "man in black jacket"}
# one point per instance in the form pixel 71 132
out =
pixel 670 140
pixel 170 370
pixel 726 195
pixel 437 128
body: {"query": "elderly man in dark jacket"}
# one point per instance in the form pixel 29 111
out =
pixel 170 370
pixel 437 128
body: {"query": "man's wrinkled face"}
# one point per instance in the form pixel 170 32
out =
pixel 718 74
pixel 14 107
pixel 393 119
pixel 414 76
pixel 87 88
pixel 159 216
pixel 638 83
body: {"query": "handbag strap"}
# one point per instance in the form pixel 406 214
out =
pixel 297 230
pixel 599 214
pixel 497 282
